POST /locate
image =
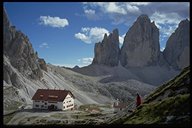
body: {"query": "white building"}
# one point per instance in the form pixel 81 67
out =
pixel 118 106
pixel 53 99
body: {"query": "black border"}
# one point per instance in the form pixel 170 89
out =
pixel 82 126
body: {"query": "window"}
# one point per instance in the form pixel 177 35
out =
pixel 45 103
pixel 36 105
pixel 52 102
pixel 42 101
pixel 42 106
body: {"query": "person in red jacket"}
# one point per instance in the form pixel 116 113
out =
pixel 138 100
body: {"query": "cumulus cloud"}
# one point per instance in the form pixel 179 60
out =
pixel 119 12
pixel 113 7
pixel 44 45
pixel 89 12
pixel 166 22
pixel 91 35
pixel 86 61
pixel 166 18
pixel 56 22
pixel 127 12
pixel 132 8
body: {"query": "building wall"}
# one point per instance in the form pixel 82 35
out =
pixel 118 109
pixel 68 103
pixel 45 104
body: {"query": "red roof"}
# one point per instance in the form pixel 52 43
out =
pixel 51 95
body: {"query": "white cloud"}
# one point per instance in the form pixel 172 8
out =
pixel 140 3
pixel 44 45
pixel 56 22
pixel 162 48
pixel 166 22
pixel 132 9
pixel 166 18
pixel 167 31
pixel 89 12
pixel 65 65
pixel 83 37
pixel 113 7
pixel 127 12
pixel 91 35
pixel 121 38
pixel 86 61
pixel 119 12
pixel 116 7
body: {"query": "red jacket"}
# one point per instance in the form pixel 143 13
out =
pixel 138 100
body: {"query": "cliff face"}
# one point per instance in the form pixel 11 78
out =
pixel 19 51
pixel 107 51
pixel 141 44
pixel 176 51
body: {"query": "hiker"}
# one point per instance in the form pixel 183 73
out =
pixel 138 100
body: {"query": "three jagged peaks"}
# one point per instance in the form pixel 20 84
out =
pixel 141 46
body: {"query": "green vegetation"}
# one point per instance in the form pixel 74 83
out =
pixel 59 116
pixel 157 112
pixel 174 84
pixel 173 108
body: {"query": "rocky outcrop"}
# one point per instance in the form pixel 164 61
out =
pixel 42 64
pixel 176 51
pixel 76 67
pixel 141 44
pixel 107 51
pixel 19 50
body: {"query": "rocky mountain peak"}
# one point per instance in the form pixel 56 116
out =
pixel 176 51
pixel 141 44
pixel 19 51
pixel 5 19
pixel 115 32
pixel 143 18
pixel 107 51
pixel 184 23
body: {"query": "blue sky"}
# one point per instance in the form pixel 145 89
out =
pixel 65 33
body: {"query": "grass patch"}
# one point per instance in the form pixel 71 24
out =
pixel 174 84
pixel 157 112
pixel 59 115
pixel 88 107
